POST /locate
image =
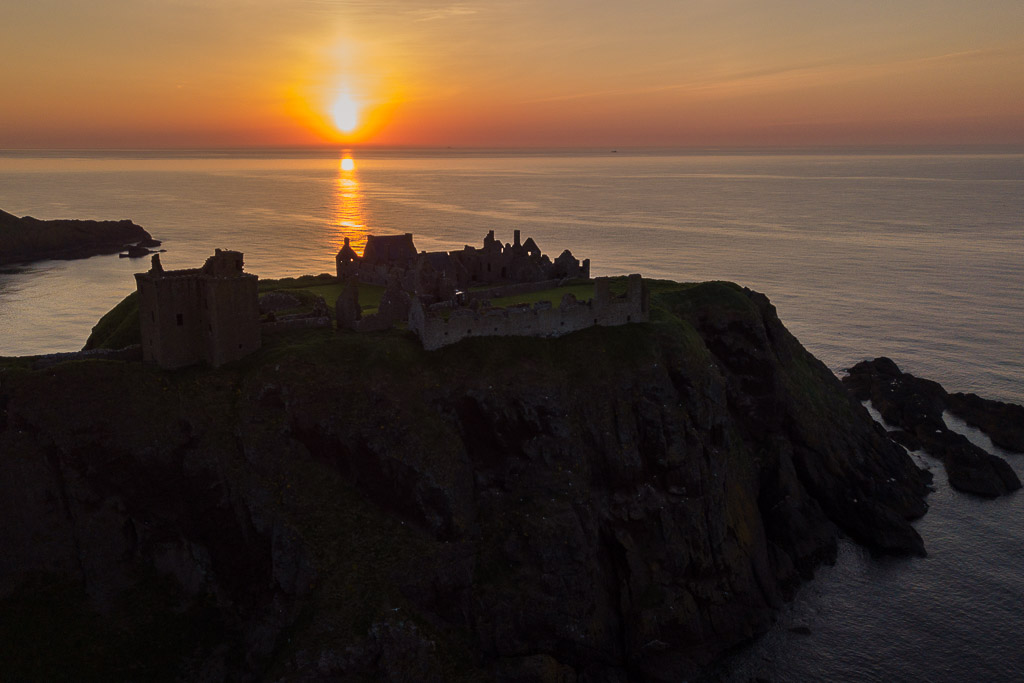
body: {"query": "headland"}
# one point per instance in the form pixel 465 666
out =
pixel 27 239
pixel 625 502
pixel 620 503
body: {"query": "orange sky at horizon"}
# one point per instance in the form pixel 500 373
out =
pixel 236 73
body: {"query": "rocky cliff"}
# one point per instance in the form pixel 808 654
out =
pixel 618 504
pixel 30 239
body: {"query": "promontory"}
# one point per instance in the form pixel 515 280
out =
pixel 618 504
pixel 30 239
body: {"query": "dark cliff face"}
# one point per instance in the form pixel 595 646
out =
pixel 29 239
pixel 621 503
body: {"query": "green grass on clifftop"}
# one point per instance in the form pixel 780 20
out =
pixel 671 304
pixel 119 327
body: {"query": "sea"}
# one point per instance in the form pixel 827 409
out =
pixel 917 255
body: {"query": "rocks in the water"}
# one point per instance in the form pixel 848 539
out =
pixel 30 239
pixel 915 406
pixel 137 251
pixel 1003 422
pixel 905 439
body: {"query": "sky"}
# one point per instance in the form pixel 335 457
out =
pixel 515 73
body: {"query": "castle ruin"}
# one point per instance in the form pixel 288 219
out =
pixel 540 320
pixel 429 290
pixel 211 314
pixel 439 274
pixel 208 314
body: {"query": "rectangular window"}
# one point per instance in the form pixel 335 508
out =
pixel 180 320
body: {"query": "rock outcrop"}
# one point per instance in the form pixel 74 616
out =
pixel 1002 422
pixel 619 504
pixel 915 406
pixel 29 239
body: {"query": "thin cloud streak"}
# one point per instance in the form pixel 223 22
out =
pixel 443 12
pixel 806 75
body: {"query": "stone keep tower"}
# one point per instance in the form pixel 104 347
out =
pixel 208 314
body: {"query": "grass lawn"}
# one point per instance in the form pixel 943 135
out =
pixel 327 287
pixel 583 292
pixel 369 295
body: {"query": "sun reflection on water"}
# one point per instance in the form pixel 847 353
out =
pixel 349 220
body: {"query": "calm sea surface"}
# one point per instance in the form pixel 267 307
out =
pixel 919 257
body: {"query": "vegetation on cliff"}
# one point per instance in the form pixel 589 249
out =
pixel 119 327
pixel 620 503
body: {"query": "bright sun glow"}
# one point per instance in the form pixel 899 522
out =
pixel 345 112
pixel 347 164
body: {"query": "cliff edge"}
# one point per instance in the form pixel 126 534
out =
pixel 618 504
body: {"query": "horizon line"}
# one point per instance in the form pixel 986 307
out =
pixel 1011 148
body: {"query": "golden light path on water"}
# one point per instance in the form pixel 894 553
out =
pixel 349 220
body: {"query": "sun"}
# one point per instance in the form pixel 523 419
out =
pixel 345 112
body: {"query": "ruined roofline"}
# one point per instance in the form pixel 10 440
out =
pixel 159 275
pixel 439 274
pixel 195 315
pixel 517 243
pixel 193 273
pixel 207 271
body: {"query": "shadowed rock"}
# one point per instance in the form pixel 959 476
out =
pixel 277 301
pixel 916 405
pixel 29 239
pixel 136 251
pixel 1003 422
pixel 620 504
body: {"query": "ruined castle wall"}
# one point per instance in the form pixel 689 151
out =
pixel 209 314
pixel 495 263
pixel 540 320
pixel 231 317
pixel 366 272
pixel 170 320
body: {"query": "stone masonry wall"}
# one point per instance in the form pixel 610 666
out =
pixel 171 320
pixel 206 314
pixel 232 318
pixel 539 320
